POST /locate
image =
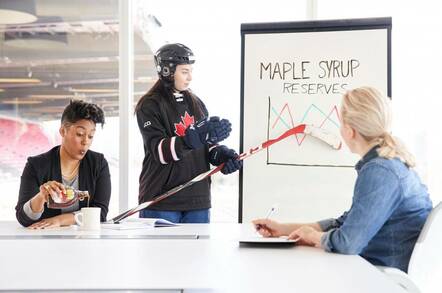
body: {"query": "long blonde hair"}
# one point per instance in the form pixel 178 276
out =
pixel 369 112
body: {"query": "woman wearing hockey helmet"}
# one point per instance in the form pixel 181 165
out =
pixel 180 141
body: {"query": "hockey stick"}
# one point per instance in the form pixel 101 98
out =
pixel 321 134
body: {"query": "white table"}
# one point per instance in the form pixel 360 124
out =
pixel 69 259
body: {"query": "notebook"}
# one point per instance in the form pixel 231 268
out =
pixel 138 223
pixel 266 240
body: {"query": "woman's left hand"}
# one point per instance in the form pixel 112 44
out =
pixel 57 221
pixel 46 223
pixel 306 235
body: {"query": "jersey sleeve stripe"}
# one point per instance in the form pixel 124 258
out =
pixel 172 149
pixel 212 147
pixel 160 152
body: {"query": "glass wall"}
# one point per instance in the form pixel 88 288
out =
pixel 68 51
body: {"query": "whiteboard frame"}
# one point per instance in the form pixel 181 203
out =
pixel 298 27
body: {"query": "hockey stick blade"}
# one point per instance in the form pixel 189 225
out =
pixel 129 213
pixel 324 135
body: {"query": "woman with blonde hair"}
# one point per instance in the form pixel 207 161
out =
pixel 390 204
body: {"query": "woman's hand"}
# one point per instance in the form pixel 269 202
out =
pixel 307 235
pixel 46 223
pixel 222 154
pixel 54 222
pixel 51 188
pixel 269 228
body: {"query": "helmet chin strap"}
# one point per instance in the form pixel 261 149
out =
pixel 178 94
pixel 170 84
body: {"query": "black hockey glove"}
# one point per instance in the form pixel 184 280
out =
pixel 205 131
pixel 222 154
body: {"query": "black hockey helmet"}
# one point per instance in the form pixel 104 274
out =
pixel 169 56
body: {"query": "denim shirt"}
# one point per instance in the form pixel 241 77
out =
pixel 389 208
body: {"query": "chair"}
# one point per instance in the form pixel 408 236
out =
pixel 425 267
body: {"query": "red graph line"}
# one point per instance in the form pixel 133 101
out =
pixel 334 109
pixel 286 105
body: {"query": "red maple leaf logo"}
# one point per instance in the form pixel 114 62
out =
pixel 186 121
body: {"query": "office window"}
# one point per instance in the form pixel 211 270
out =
pixel 68 51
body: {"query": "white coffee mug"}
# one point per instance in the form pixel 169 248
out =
pixel 88 218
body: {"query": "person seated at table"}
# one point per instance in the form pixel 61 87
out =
pixel 390 204
pixel 69 164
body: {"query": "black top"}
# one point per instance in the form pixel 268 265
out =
pixel 93 176
pixel 168 162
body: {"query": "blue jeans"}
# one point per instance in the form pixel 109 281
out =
pixel 193 216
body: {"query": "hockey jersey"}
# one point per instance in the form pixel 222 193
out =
pixel 168 161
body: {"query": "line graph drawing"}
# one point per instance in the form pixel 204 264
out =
pixel 327 117
pixel 287 116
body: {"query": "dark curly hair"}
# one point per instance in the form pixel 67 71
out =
pixel 78 109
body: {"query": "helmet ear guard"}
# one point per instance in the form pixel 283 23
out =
pixel 165 72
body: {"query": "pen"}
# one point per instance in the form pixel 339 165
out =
pixel 269 213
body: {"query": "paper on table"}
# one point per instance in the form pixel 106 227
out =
pixel 139 223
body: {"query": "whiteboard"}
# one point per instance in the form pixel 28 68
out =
pixel 293 73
